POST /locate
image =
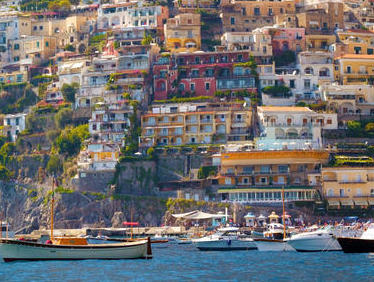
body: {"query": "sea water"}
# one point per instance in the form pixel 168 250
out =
pixel 185 262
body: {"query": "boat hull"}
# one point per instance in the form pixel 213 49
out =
pixel 315 244
pixel 225 245
pixel 11 250
pixel 356 245
pixel 264 245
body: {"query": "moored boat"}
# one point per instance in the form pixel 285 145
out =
pixel 275 245
pixel 6 230
pixel 364 244
pixel 315 241
pixel 66 248
pixel 225 239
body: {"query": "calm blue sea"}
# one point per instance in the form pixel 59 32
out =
pixel 184 262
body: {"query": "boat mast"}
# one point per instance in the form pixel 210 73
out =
pixel 52 206
pixel 284 215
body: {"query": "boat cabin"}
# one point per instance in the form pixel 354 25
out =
pixel 71 241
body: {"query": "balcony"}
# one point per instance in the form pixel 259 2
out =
pixel 190 121
pixel 204 120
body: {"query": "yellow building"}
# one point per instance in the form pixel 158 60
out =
pixel 258 176
pixel 195 124
pixel 348 186
pixel 182 33
pixel 13 74
pixel 319 42
pixel 70 30
pixel 37 49
pixel 357 41
pixel 355 68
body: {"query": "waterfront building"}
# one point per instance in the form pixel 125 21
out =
pixel 196 123
pixel 182 33
pixel 13 125
pixel 348 187
pixel 257 177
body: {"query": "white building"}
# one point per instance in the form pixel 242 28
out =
pixel 293 127
pixel 9 30
pixel 128 14
pixel 14 124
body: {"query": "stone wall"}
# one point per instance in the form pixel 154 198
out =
pixel 93 181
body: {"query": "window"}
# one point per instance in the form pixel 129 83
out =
pixel 257 11
pixel 245 180
pixel 358 192
pixel 232 20
pixel 16 59
pixel 292 83
pixel 41 27
pixel 192 86
pixel 37 44
pixel 370 51
pixel 46 44
pixel 341 192
pixel 283 168
pixel 306 83
pixel 357 50
pixel 207 85
pixel 263 180
pixel 197 60
pixel 16 46
pixel 372 192
pixel 265 169
pixel 349 69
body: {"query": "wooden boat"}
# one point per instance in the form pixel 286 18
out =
pixel 72 248
pixel 275 238
pixel 66 248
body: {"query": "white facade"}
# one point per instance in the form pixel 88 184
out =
pixel 9 30
pixel 124 15
pixel 287 126
pixel 14 124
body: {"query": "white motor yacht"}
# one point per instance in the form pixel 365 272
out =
pixel 315 241
pixel 225 239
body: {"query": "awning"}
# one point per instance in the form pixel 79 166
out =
pixel 347 202
pixel 361 202
pixel 334 203
pixel 196 215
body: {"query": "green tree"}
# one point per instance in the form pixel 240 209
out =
pixel 54 165
pixel 70 140
pixel 69 47
pixel 355 129
pixel 69 91
pixel 63 117
pixel 147 39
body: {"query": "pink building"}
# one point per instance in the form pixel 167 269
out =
pixel 284 39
